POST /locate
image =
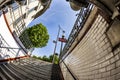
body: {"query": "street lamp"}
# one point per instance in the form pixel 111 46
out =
pixel 62 40
pixel 55 41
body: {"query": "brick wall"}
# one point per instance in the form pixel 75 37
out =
pixel 94 57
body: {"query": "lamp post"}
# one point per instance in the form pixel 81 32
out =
pixel 62 40
pixel 55 41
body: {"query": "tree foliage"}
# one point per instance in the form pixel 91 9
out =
pixel 48 59
pixel 38 35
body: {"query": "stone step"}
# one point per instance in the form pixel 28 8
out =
pixel 10 72
pixel 29 69
pixel 17 72
pixel 5 74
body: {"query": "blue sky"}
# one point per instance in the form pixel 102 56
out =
pixel 61 14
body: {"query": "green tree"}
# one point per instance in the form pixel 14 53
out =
pixel 48 59
pixel 44 58
pixel 34 56
pixel 38 35
pixel 39 57
pixel 56 59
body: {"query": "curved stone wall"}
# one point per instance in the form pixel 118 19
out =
pixel 94 57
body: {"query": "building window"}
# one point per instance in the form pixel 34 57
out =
pixel 31 10
pixel 14 6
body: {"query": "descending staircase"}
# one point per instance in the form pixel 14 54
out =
pixel 29 69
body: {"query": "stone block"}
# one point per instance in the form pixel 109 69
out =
pixel 114 33
pixel 102 70
pixel 110 67
pixel 106 74
pixel 105 63
pixel 117 76
pixel 118 63
pixel 108 56
pixel 116 57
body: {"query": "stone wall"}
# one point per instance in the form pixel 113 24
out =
pixel 94 57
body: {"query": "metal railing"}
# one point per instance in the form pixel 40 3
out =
pixel 79 23
pixel 5 49
pixel 24 38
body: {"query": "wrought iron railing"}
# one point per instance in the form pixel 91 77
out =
pixel 5 49
pixel 24 38
pixel 79 23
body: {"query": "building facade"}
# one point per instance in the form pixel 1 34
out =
pixel 15 15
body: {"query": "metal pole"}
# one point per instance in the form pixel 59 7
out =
pixel 61 49
pixel 56 45
pixel 9 47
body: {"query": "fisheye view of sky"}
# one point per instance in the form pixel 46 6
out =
pixel 59 13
